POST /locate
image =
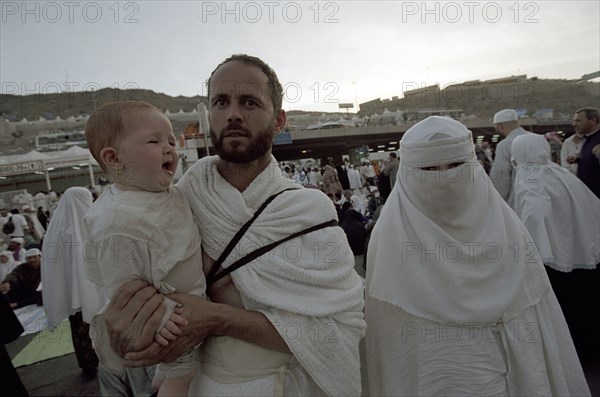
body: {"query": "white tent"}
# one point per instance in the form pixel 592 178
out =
pixel 73 151
pixel 31 156
pixel 40 163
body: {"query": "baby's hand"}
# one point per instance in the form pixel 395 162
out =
pixel 171 329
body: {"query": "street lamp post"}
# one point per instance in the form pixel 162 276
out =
pixel 355 101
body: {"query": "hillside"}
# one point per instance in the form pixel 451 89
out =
pixel 32 107
pixel 483 100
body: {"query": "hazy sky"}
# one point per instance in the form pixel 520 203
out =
pixel 318 49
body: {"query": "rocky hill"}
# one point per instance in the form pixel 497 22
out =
pixel 475 99
pixel 483 100
pixel 32 107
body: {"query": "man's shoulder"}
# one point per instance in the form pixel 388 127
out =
pixel 308 196
pixel 570 139
pixel 594 137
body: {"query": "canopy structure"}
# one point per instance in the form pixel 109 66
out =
pixel 42 163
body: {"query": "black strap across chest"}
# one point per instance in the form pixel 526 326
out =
pixel 214 273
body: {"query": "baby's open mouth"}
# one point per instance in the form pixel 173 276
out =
pixel 167 166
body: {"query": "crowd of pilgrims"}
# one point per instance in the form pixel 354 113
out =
pixel 358 192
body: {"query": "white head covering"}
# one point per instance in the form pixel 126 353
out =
pixel 447 248
pixel 559 210
pixel 505 115
pixel 66 290
pixel 32 252
pixel 6 268
pixel 19 240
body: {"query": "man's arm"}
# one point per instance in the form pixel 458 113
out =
pixel 5 287
pixel 204 319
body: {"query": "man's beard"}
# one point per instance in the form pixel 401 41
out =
pixel 260 144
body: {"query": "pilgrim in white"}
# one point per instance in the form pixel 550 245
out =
pixel 456 301
pixel 563 217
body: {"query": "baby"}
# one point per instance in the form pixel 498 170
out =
pixel 141 227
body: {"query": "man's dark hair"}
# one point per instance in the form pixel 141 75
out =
pixel 393 155
pixel 274 86
pixel 590 113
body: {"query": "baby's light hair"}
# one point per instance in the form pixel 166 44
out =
pixel 106 126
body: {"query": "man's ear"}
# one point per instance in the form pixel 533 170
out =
pixel 280 120
pixel 110 157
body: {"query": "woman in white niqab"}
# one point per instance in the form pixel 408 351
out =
pixel 457 300
pixel 66 292
pixel 563 216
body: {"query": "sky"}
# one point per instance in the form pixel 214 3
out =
pixel 325 53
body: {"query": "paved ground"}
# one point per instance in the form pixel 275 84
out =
pixel 62 377
pixel 55 377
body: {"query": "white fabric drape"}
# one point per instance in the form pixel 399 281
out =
pixel 448 260
pixel 66 289
pixel 559 210
pixel 451 234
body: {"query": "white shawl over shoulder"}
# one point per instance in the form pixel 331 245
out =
pixel 559 210
pixel 307 287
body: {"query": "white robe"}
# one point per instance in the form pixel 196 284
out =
pixel 66 289
pixel 559 210
pixel 501 174
pixel 307 287
pixel 458 301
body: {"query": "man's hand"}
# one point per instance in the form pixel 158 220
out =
pixel 572 159
pixel 202 322
pixel 5 288
pixel 133 316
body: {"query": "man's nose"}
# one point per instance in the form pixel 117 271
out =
pixel 235 113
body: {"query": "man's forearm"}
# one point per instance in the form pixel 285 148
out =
pixel 249 326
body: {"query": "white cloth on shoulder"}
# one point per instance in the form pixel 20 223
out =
pixel 307 287
pixel 559 210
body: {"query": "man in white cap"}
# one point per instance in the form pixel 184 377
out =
pixel 20 286
pixel 16 247
pixel 506 124
pixel 456 307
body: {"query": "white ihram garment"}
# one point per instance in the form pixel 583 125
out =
pixel 561 213
pixel 501 173
pixel 66 289
pixel 306 287
pixel 458 302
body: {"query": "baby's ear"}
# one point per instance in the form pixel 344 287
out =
pixel 110 157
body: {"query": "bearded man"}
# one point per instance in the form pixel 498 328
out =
pixel 285 311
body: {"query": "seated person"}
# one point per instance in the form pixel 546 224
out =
pixel 20 286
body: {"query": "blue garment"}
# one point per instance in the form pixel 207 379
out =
pixel 588 169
